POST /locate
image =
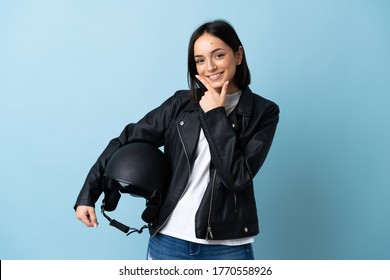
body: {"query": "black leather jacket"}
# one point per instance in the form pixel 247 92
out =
pixel 238 143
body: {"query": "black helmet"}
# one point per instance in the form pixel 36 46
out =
pixel 141 170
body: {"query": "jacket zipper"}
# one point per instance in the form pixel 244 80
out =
pixel 185 152
pixel 189 172
pixel 209 231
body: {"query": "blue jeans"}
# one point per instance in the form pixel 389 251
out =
pixel 164 247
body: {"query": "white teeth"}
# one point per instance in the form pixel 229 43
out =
pixel 215 76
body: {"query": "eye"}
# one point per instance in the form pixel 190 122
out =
pixel 219 55
pixel 199 61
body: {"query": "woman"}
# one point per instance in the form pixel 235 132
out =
pixel 216 136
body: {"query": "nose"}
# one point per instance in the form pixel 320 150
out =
pixel 210 65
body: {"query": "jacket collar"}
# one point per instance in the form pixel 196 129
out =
pixel 244 106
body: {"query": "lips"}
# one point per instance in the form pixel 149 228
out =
pixel 215 77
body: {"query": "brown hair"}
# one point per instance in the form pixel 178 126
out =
pixel 224 31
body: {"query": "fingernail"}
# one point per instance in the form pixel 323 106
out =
pixel 95 225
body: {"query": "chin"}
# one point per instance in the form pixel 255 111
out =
pixel 216 85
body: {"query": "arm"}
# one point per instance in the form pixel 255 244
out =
pixel 238 158
pixel 151 128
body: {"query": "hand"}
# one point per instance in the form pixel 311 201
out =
pixel 86 214
pixel 212 98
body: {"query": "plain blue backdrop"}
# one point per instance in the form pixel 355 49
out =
pixel 74 73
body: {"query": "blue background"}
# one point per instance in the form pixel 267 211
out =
pixel 74 73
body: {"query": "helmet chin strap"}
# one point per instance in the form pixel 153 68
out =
pixel 122 227
pixel 152 205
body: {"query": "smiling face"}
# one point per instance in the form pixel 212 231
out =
pixel 216 61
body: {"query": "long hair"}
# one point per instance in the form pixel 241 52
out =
pixel 224 31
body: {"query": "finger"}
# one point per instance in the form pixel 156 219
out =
pixel 224 88
pixel 87 216
pixel 85 219
pixel 92 218
pixel 204 82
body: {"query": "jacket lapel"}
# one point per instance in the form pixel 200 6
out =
pixel 189 129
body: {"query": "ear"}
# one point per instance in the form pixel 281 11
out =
pixel 239 55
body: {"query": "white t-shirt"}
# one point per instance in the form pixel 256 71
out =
pixel 181 223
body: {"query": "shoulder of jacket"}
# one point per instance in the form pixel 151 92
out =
pixel 185 94
pixel 183 99
pixel 179 97
pixel 263 102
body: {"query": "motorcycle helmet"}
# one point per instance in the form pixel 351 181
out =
pixel 141 170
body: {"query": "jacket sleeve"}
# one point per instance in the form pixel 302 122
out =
pixel 151 128
pixel 238 158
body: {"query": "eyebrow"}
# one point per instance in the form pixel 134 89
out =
pixel 213 51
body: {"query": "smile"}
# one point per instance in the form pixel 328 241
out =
pixel 215 76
